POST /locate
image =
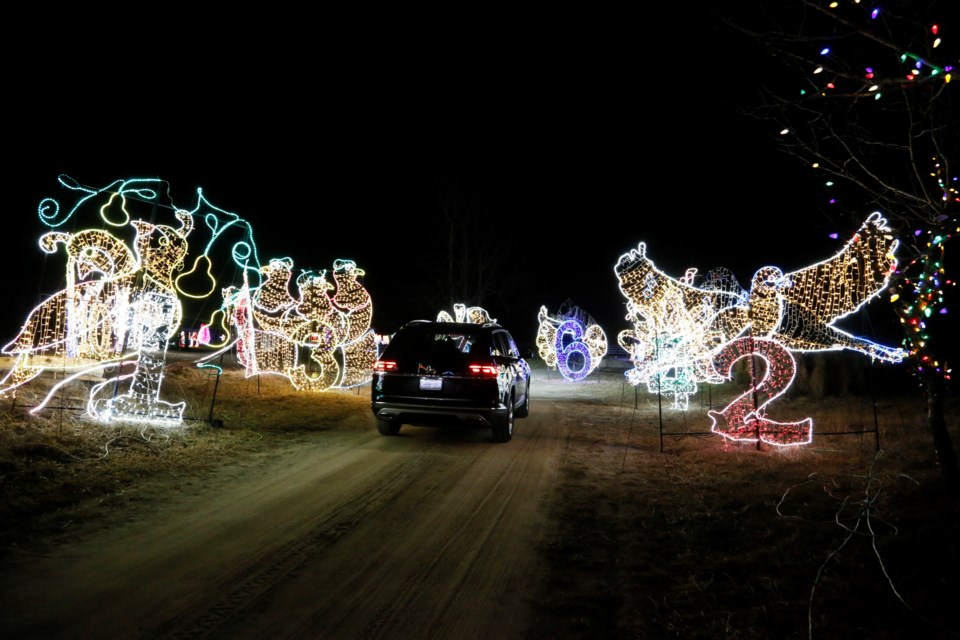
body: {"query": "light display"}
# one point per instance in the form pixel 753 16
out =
pixel 463 313
pixel 899 61
pixel 320 339
pixel 677 325
pixel 800 309
pixel 119 306
pixel 745 418
pixel 684 335
pixel 921 290
pixel 570 337
pixel 154 312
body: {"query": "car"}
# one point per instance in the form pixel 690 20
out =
pixel 439 373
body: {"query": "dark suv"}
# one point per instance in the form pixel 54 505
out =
pixel 440 373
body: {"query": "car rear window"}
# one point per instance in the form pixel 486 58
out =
pixel 428 340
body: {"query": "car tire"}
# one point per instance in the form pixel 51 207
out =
pixel 502 430
pixel 524 410
pixel 388 427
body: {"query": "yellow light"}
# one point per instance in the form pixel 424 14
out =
pixel 679 327
pixel 319 340
pixel 119 305
pixel 463 313
pixel 570 330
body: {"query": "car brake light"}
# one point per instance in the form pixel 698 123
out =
pixel 483 370
pixel 384 365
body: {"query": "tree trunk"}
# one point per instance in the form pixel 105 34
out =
pixel 942 443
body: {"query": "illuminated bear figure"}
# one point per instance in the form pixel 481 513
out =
pixel 570 340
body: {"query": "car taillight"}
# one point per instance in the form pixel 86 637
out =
pixel 483 370
pixel 384 365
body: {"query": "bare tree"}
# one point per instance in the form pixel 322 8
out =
pixel 866 98
pixel 476 251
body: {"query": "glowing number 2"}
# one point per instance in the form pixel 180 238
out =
pixel 739 420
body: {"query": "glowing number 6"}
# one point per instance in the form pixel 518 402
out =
pixel 564 351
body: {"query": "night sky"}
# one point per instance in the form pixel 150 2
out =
pixel 579 155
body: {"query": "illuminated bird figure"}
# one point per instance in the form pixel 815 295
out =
pixel 77 325
pixel 800 309
pixel 319 340
pixel 358 346
pixel 677 326
pixel 272 299
pixel 119 306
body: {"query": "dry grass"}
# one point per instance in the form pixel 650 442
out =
pixel 672 536
pixel 59 469
pixel 706 540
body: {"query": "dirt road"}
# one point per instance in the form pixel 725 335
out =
pixel 607 516
pixel 343 534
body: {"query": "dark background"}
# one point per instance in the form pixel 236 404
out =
pixel 577 149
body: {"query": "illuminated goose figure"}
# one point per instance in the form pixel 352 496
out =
pixel 358 344
pixel 799 309
pixel 315 324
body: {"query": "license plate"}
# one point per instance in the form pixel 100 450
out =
pixel 431 384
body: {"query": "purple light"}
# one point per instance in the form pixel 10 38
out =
pixel 571 328
pixel 943 311
pixel 874 13
pixel 918 232
pixel 834 235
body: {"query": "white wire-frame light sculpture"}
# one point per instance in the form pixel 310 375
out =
pixel 570 340
pixel 463 313
pixel 118 307
pixel 685 334
pixel 321 339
